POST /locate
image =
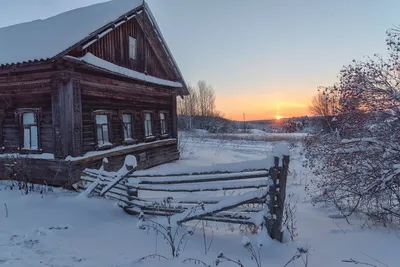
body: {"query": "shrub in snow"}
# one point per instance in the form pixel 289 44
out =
pixel 290 126
pixel 301 253
pixel 245 241
pixel 174 235
pixel 20 172
pixel 289 221
pixel 358 163
pixel 254 252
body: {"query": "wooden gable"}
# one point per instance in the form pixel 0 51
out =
pixel 114 47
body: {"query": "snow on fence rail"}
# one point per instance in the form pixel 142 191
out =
pixel 260 203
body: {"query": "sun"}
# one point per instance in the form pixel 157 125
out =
pixel 278 117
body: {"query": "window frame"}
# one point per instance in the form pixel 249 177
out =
pixel 132 113
pixel 152 136
pixel 19 114
pixel 130 38
pixel 108 113
pixel 166 117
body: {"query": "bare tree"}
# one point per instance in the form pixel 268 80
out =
pixel 322 105
pixel 189 104
pixel 199 102
pixel 189 107
pixel 206 98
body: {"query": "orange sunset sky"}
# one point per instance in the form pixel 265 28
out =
pixel 261 107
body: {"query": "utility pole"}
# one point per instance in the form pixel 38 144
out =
pixel 244 123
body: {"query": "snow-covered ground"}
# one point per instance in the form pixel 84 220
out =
pixel 58 229
pixel 250 135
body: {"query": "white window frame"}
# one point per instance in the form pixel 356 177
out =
pixel 132 47
pixel 29 130
pixel 163 122
pixel 127 127
pixel 105 140
pixel 148 124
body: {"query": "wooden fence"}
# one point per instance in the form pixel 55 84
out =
pixel 259 197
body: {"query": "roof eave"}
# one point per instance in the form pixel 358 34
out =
pixel 86 65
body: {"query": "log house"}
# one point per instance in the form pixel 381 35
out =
pixel 92 83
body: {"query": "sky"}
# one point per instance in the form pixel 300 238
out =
pixel 264 58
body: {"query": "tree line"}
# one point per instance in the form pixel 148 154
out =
pixel 199 102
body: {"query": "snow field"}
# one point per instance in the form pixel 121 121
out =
pixel 59 229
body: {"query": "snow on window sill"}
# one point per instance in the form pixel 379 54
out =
pixel 30 151
pixel 47 156
pixel 149 138
pixel 165 135
pixel 129 141
pixel 104 146
pixel 106 153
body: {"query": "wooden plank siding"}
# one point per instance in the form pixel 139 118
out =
pixel 114 47
pixel 136 97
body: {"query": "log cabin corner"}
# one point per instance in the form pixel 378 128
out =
pixel 92 83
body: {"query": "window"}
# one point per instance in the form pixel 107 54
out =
pixel 102 129
pixel 29 128
pixel 31 134
pixel 132 47
pixel 127 126
pixel 163 123
pixel 148 131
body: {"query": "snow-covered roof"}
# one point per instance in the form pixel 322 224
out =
pixel 45 39
pixel 91 59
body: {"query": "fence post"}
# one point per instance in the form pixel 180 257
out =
pixel 270 220
pixel 280 197
pixel 105 165
pixel 277 195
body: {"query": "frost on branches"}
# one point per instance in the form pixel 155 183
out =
pixel 358 163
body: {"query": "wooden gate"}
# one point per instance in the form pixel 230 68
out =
pixel 258 199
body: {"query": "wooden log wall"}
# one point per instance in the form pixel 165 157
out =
pixel 105 94
pixel 38 171
pixel 31 95
pixel 65 173
pixel 147 156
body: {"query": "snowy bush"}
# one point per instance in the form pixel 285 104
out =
pixel 290 126
pixel 359 164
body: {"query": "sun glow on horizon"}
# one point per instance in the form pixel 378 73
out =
pixel 262 106
pixel 278 112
